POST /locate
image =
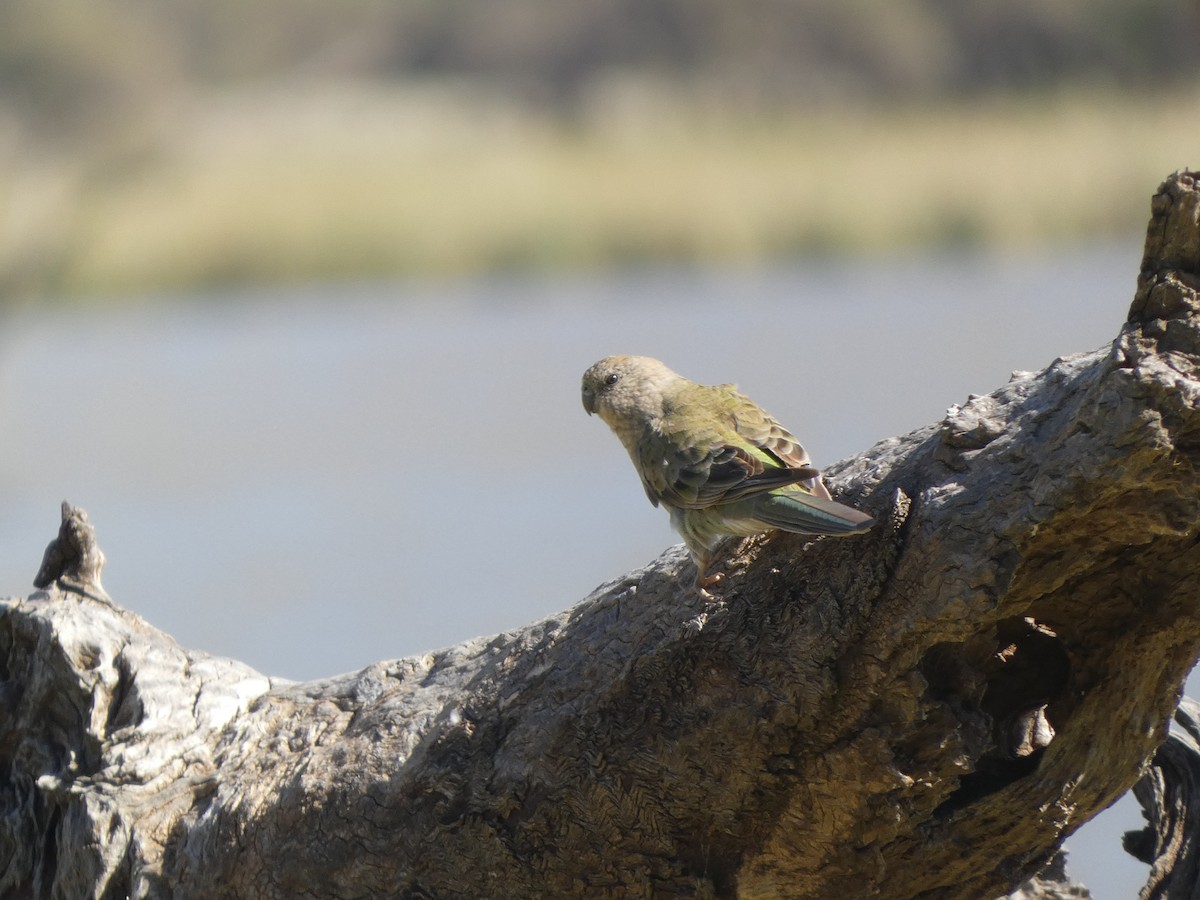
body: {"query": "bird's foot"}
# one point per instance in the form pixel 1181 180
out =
pixel 705 580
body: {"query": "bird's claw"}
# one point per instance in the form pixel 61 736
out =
pixel 705 580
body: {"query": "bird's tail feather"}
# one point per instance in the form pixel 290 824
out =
pixel 802 513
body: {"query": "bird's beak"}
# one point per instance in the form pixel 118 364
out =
pixel 589 401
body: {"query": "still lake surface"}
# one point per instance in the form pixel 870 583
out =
pixel 312 479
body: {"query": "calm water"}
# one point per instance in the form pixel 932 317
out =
pixel 315 479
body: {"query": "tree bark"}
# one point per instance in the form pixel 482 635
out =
pixel 1170 796
pixel 925 710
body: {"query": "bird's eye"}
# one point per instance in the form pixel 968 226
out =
pixel 612 378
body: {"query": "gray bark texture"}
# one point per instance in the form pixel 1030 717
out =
pixel 1170 796
pixel 926 710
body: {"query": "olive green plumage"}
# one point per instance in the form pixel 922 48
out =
pixel 717 462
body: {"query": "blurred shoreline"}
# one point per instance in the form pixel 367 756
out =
pixel 332 181
pixel 154 149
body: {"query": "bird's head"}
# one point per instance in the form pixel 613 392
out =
pixel 626 390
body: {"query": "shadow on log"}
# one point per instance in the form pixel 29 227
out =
pixel 925 710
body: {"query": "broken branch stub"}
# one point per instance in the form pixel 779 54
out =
pixel 1170 797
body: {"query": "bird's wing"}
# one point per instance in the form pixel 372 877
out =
pixel 764 432
pixel 695 461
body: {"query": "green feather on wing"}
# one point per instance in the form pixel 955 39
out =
pixel 731 450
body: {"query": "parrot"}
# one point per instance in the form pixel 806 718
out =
pixel 718 463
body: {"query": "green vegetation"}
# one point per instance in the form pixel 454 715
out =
pixel 351 185
pixel 165 147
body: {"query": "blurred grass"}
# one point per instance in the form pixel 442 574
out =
pixel 360 182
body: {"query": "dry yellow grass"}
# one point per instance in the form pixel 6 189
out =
pixel 341 183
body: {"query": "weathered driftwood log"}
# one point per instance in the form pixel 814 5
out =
pixel 928 709
pixel 1052 883
pixel 1170 796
